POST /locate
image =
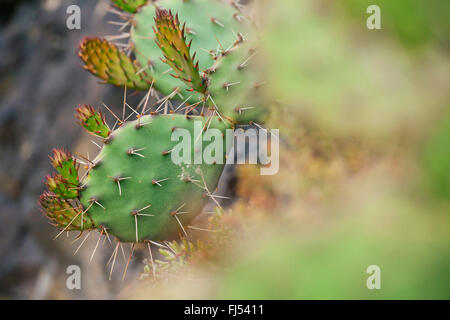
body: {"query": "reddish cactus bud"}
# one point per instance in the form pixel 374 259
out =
pixel 59 157
pixel 92 121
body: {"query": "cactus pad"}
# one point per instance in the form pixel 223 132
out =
pixel 133 188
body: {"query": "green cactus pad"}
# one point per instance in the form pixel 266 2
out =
pixel 236 85
pixel 138 158
pixel 106 61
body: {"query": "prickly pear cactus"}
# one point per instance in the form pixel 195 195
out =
pixel 201 51
pixel 132 189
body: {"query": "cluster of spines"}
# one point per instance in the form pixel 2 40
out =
pixel 103 59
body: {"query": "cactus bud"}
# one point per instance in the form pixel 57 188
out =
pixel 61 187
pixel 107 62
pixel 172 41
pixel 92 121
pixel 62 213
pixel 63 162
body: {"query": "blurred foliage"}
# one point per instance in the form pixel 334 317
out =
pixel 330 68
pixel 414 23
pixel 436 159
pixel 411 251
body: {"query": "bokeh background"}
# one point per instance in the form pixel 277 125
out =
pixel 364 176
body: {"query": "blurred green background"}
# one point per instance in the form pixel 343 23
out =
pixel 387 91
